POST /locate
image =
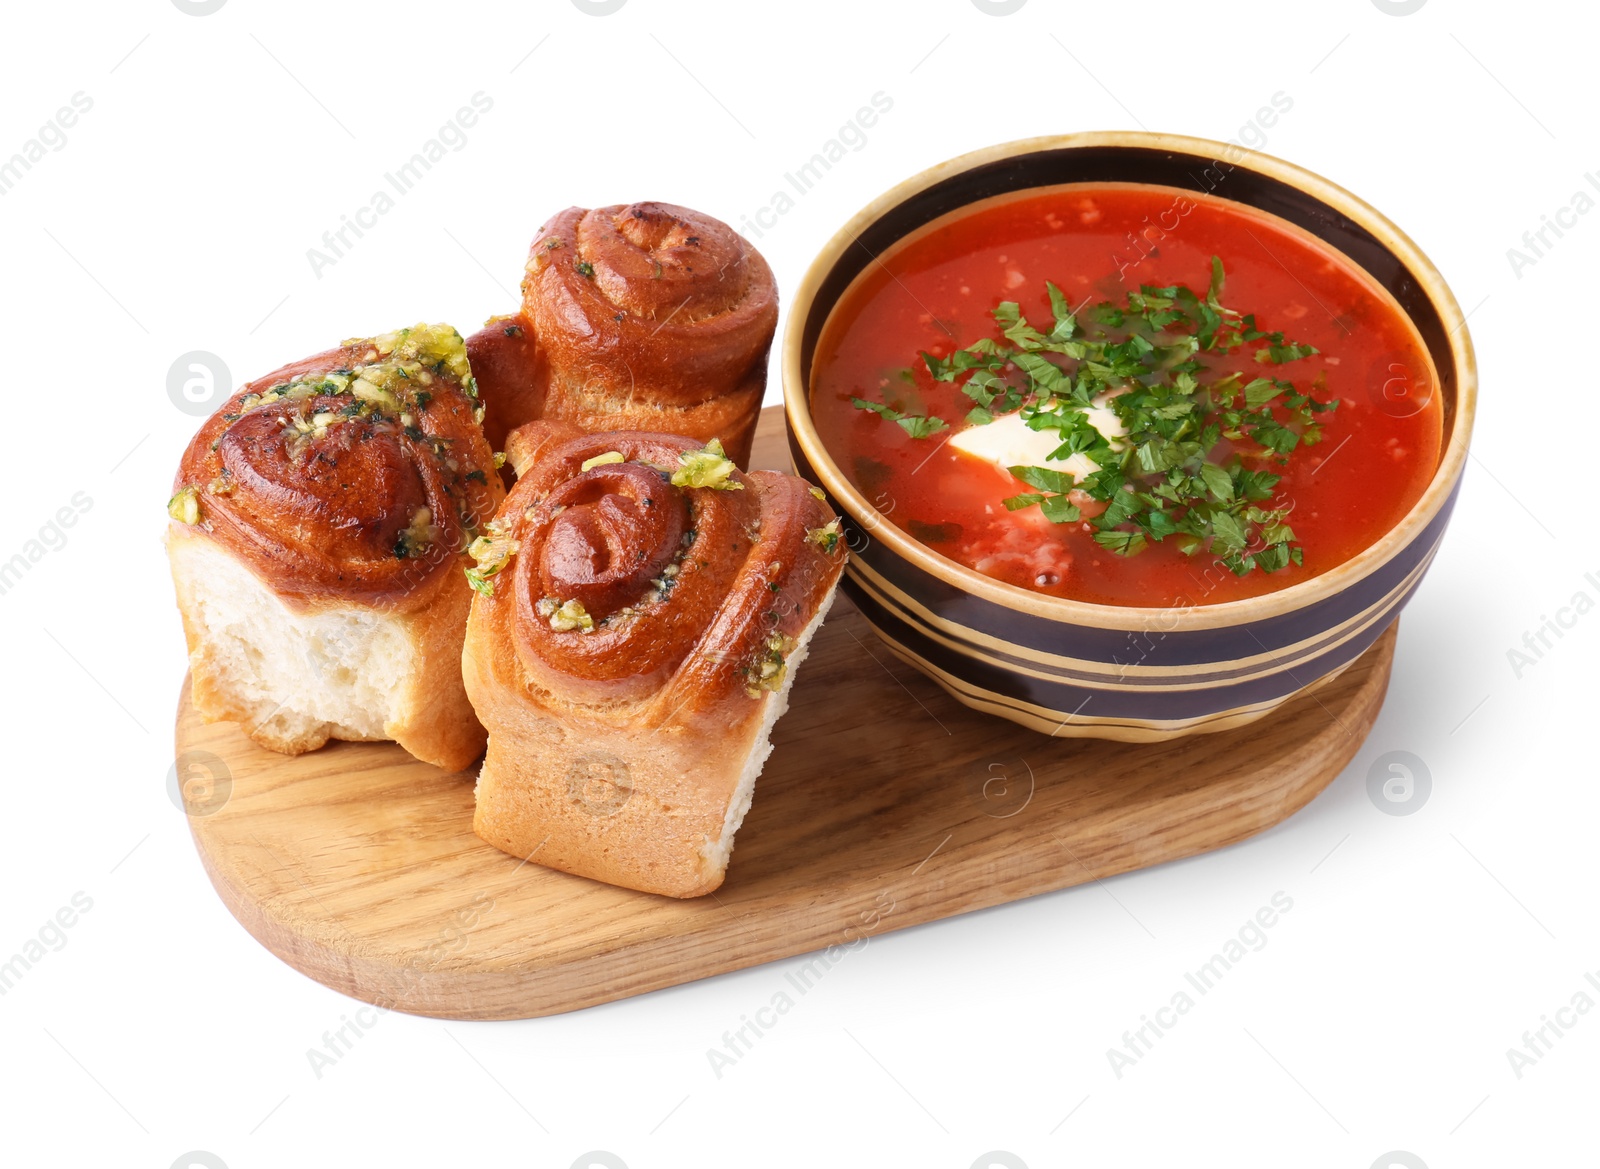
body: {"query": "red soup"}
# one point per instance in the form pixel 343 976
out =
pixel 1128 395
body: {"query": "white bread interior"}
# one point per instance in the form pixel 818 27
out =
pixel 293 678
pixel 714 854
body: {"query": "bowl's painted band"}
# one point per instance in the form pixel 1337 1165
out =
pixel 1077 723
pixel 1120 675
pixel 1058 707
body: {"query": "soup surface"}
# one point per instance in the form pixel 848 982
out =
pixel 1128 395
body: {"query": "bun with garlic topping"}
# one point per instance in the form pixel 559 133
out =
pixel 319 527
pixel 642 608
pixel 641 317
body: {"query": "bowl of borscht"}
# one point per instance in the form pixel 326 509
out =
pixel 1135 435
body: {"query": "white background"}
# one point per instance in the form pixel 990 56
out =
pixel 177 217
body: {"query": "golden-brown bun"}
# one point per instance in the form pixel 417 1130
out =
pixel 320 521
pixel 526 443
pixel 502 357
pixel 633 649
pixel 639 317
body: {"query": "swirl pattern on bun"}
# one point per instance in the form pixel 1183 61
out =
pixel 338 474
pixel 641 316
pixel 643 605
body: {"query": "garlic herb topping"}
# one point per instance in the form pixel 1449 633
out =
pixel 825 537
pixel 492 552
pixel 709 467
pixel 771 667
pixel 185 506
pixel 566 616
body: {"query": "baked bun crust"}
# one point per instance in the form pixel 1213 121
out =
pixel 646 316
pixel 644 606
pixel 320 521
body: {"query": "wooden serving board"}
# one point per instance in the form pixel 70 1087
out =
pixel 885 804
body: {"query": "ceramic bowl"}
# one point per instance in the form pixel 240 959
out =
pixel 1071 668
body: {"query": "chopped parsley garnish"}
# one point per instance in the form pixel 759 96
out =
pixel 1192 465
pixel 585 268
pixel 916 425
